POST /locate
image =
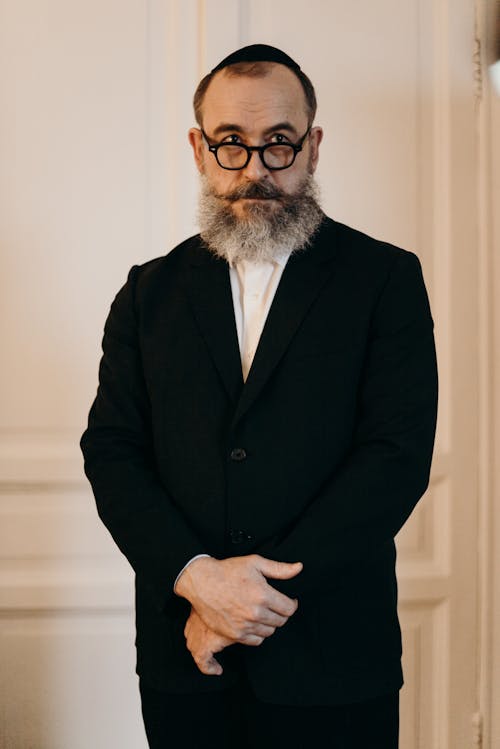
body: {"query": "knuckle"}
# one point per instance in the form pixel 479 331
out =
pixel 261 598
pixel 255 613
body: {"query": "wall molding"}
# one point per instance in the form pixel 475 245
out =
pixel 488 679
pixel 40 457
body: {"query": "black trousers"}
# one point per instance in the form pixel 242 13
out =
pixel 235 719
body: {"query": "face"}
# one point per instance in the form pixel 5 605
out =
pixel 255 111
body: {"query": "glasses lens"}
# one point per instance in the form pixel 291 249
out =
pixel 231 156
pixel 278 157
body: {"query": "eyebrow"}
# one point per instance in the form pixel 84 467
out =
pixel 226 127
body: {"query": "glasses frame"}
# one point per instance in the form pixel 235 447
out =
pixel 297 148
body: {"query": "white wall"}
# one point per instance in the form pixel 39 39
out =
pixel 74 215
pixel 96 175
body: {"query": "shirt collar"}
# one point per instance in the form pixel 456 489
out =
pixel 281 260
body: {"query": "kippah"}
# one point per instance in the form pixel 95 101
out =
pixel 258 53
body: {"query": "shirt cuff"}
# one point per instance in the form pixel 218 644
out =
pixel 198 556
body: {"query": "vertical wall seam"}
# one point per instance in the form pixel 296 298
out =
pixel 485 374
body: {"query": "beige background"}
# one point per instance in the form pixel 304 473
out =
pixel 95 175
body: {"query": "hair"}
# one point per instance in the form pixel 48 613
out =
pixel 255 70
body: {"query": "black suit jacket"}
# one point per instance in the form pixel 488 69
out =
pixel 319 457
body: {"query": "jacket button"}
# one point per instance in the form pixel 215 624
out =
pixel 238 454
pixel 239 536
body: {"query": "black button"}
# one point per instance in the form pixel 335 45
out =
pixel 239 536
pixel 238 453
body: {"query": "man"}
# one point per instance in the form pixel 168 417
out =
pixel 264 426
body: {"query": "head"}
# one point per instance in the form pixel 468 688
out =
pixel 257 212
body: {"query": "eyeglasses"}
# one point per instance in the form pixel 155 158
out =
pixel 274 156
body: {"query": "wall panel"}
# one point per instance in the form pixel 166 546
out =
pixel 58 691
pixel 75 214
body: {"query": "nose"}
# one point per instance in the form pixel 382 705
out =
pixel 255 169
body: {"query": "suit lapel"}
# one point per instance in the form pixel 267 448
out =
pixel 209 290
pixel 303 278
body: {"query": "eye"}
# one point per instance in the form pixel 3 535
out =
pixel 279 138
pixel 233 138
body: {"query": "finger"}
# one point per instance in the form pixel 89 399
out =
pixel 277 570
pixel 261 630
pixel 279 603
pixel 252 640
pixel 270 618
pixel 208 665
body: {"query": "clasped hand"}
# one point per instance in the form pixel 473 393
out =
pixel 231 601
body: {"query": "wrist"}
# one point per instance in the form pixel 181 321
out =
pixel 186 583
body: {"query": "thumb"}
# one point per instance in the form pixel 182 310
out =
pixel 278 570
pixel 213 667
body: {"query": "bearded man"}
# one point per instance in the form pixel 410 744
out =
pixel 264 426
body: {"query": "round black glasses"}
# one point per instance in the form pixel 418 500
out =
pixel 274 156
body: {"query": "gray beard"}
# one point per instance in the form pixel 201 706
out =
pixel 267 231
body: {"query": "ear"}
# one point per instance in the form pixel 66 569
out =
pixel 315 138
pixel 195 138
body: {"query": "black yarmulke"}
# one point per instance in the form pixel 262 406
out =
pixel 258 53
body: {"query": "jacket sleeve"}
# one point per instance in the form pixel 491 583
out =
pixel 119 460
pixel 369 497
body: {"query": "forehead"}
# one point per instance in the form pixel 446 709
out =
pixel 255 102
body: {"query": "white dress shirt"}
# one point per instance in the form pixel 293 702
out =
pixel 253 286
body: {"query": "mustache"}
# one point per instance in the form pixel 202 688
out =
pixel 254 190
